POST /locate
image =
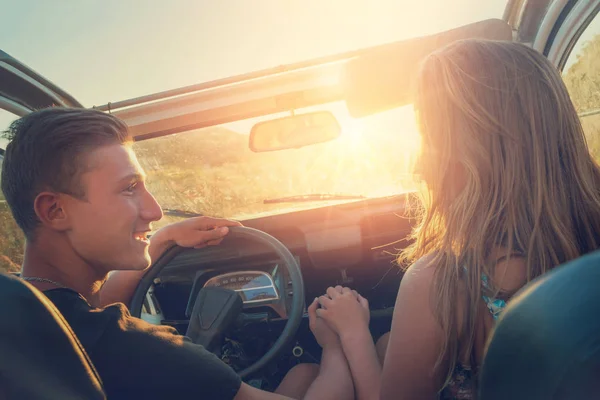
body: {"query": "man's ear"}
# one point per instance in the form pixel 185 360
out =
pixel 50 209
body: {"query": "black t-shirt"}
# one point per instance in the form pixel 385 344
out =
pixel 138 360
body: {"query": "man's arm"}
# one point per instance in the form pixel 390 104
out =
pixel 334 381
pixel 194 232
pixel 120 285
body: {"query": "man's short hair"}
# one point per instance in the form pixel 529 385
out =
pixel 47 151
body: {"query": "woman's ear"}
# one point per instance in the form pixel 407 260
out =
pixel 50 210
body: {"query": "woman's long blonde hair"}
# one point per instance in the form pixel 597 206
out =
pixel 506 165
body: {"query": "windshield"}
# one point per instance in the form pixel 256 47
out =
pixel 212 171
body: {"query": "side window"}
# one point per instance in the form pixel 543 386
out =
pixel 12 241
pixel 582 77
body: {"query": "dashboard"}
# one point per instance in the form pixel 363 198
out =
pixel 263 286
pixel 352 244
pixel 252 286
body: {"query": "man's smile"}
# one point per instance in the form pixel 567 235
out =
pixel 142 237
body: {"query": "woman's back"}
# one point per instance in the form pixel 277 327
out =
pixel 512 192
pixel 511 275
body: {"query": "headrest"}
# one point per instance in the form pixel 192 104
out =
pixel 546 344
pixel 40 356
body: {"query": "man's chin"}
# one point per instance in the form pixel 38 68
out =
pixel 135 264
pixel 142 264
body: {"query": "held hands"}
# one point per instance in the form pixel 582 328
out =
pixel 323 333
pixel 344 310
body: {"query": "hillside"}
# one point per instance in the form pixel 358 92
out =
pixel 583 82
pixel 583 77
pixel 212 171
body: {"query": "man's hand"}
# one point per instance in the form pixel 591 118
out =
pixel 323 333
pixel 197 232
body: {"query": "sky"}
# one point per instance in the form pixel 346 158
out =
pixel 111 50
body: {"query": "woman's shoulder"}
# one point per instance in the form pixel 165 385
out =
pixel 509 272
pixel 419 276
pixel 423 268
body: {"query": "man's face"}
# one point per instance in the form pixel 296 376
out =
pixel 109 227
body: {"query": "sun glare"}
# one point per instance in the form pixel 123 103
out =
pixel 374 156
pixel 392 163
pixel 215 173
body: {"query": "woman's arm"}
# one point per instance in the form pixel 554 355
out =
pixel 360 352
pixel 415 340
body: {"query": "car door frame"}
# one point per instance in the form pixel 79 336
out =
pixel 23 90
pixel 572 26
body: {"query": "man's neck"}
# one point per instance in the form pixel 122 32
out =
pixel 63 267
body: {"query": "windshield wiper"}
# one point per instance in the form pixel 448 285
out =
pixel 174 212
pixel 313 197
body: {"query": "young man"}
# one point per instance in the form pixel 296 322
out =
pixel 77 190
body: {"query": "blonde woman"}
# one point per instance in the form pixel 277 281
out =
pixel 512 192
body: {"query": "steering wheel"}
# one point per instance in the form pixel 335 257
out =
pixel 216 308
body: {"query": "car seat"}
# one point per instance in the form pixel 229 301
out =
pixel 40 356
pixel 546 344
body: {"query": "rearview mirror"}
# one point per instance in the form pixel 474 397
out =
pixel 294 131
